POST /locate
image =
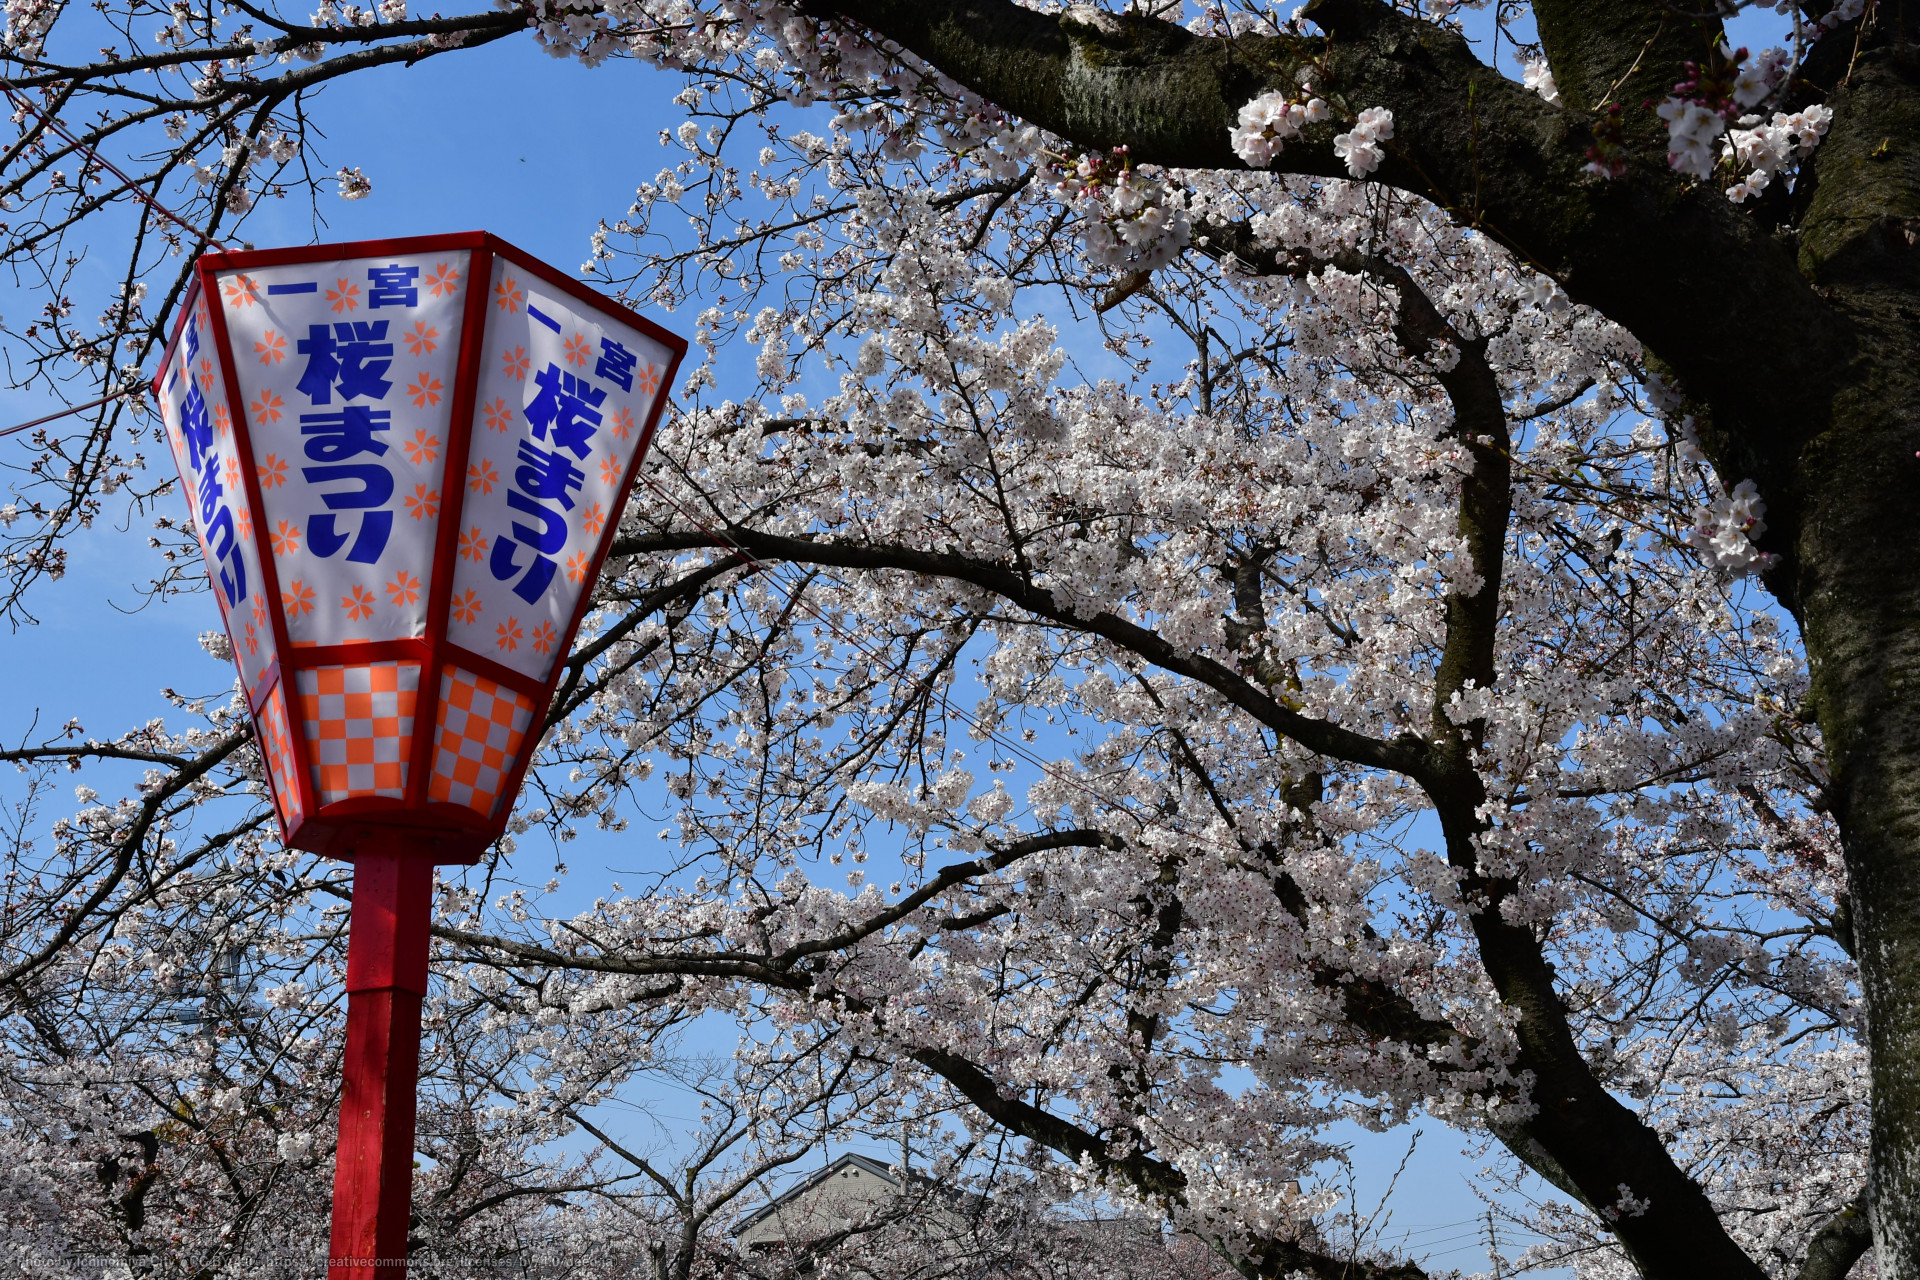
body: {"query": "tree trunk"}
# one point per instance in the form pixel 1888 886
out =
pixel 1793 322
pixel 1861 543
pixel 1856 577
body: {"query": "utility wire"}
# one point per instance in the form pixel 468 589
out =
pixel 139 193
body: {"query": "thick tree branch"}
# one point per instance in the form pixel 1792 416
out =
pixel 1405 754
pixel 1580 1139
pixel 1840 1243
pixel 1696 278
pixel 1623 51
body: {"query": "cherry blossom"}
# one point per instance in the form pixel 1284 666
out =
pixel 1268 121
pixel 1538 76
pixel 1360 146
pixel 1724 530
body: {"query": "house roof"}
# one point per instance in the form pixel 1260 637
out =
pixel 865 1164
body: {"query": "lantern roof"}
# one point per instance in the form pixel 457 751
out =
pixel 406 461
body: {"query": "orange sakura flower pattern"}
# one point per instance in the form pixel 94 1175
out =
pixel 543 637
pixel 423 503
pixel 578 352
pixel 609 471
pixel 577 567
pixel 422 339
pixel 405 589
pixel 515 363
pixel 442 280
pixel 297 599
pixel 423 448
pixel 648 380
pixel 271 349
pixel 232 470
pixel 222 420
pixel 259 611
pixel 481 477
pixel 242 291
pixel 345 296
pixel 473 544
pixel 286 541
pixel 499 414
pixel 622 423
pixel 252 641
pixel 593 520
pixel 509 297
pixel 467 606
pixel 266 410
pixel 206 376
pixel 425 391
pixel 242 522
pixel 358 602
pixel 508 634
pixel 273 472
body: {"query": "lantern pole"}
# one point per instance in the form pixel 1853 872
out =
pixel 386 979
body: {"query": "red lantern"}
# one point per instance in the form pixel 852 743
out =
pixel 406 461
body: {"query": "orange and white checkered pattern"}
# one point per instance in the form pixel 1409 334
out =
pixel 482 726
pixel 277 749
pixel 359 728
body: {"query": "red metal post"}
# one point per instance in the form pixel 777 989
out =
pixel 386 978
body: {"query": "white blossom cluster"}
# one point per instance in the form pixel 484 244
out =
pixel 354 185
pixel 28 22
pixel 1692 128
pixel 1134 222
pixel 1725 529
pixel 1268 121
pixel 238 160
pixel 1764 148
pixel 1538 77
pixel 1360 146
pixel 1715 106
pixel 1844 11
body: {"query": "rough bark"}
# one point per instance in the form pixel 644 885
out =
pixel 1623 52
pixel 1855 568
pixel 1839 1244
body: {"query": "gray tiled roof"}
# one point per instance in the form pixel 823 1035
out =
pixel 865 1163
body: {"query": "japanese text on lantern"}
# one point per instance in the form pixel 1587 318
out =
pixel 200 431
pixel 346 385
pixel 564 415
pixel 561 396
pixel 410 455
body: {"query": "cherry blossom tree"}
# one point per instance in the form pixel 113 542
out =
pixel 1432 608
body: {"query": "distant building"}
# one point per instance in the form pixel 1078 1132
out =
pixel 825 1201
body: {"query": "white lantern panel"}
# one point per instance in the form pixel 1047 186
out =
pixel 346 369
pixel 199 422
pixel 564 393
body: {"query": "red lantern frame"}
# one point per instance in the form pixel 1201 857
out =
pixel 452 833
